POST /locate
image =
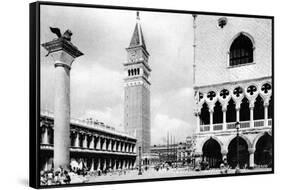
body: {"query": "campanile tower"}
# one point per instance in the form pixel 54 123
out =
pixel 137 89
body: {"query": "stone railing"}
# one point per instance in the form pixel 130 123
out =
pixel 204 128
pixel 259 123
pixel 231 125
pixel 217 127
pixel 269 121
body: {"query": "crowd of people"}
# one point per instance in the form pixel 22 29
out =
pixel 58 177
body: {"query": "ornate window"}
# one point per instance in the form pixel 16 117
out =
pixel 241 51
pixel 237 91
pixel 266 88
pixel 224 93
pixel 251 89
pixel 211 95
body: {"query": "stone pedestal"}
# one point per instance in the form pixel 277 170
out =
pixel 63 53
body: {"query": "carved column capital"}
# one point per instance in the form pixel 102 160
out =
pixel 251 150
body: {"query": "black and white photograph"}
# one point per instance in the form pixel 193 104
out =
pixel 127 94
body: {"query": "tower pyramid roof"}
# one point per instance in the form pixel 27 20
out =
pixel 137 38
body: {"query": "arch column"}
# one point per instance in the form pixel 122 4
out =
pixel 114 145
pixel 119 147
pixel 98 168
pixel 98 143
pixel 115 162
pixel 197 115
pixel 109 145
pixel 251 157
pixel 84 145
pixel 46 164
pixel 45 137
pixel 77 137
pixel 224 118
pixel 237 113
pixel 92 165
pixel 224 154
pixel 104 164
pixel 266 114
pixel 211 119
pixel 92 143
pixel 103 144
pixel 251 106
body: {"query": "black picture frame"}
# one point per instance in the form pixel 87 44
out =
pixel 34 91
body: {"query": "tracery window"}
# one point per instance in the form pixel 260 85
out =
pixel 241 51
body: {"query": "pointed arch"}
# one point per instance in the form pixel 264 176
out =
pixel 259 108
pixel 212 137
pixel 258 137
pixel 218 115
pixel 204 114
pixel 231 111
pixel 244 137
pixel 241 49
pixel 244 110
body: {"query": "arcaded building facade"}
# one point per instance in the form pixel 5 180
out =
pixel 93 145
pixel 233 83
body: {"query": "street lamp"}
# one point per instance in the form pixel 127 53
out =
pixel 140 173
pixel 237 125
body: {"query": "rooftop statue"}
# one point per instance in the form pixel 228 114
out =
pixel 67 34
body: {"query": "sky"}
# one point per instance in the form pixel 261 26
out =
pixel 97 85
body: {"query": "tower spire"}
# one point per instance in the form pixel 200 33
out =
pixel 137 38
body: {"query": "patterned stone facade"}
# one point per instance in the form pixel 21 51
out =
pixel 227 94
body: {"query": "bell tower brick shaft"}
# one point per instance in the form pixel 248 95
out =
pixel 137 90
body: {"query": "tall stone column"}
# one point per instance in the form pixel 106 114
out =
pixel 251 157
pixel 63 53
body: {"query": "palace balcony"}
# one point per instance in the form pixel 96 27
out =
pixel 230 126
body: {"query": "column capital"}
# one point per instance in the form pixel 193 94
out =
pixel 266 104
pixel 62 45
pixel 224 152
pixel 251 150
